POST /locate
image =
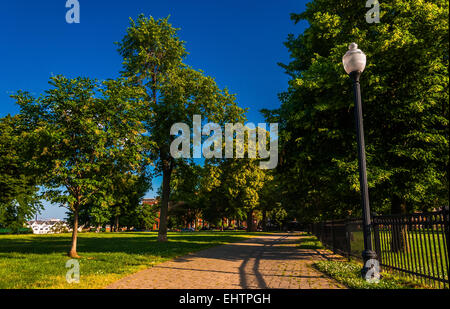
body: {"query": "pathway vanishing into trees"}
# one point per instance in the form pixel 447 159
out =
pixel 267 261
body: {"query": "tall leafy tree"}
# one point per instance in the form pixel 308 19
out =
pixel 173 92
pixel 144 216
pixel 405 105
pixel 270 202
pixel 214 200
pixel 185 192
pixel 80 129
pixel 125 204
pixel 128 191
pixel 243 180
pixel 232 187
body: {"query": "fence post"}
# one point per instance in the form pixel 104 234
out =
pixel 321 232
pixel 333 236
pixel 445 213
pixel 347 239
pixel 376 237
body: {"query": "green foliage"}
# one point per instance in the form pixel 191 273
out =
pixel 16 213
pixel 273 210
pixel 186 198
pixel 23 230
pixel 222 188
pixel 35 261
pixel 84 134
pixel 310 243
pixel 128 207
pixel 405 105
pixel 171 92
pixel 128 190
pixel 231 188
pixel 146 216
pixel 79 136
pixel 19 198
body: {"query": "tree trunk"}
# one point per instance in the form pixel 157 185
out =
pixel 264 220
pixel 250 227
pixel 167 172
pixel 399 237
pixel 116 224
pixel 73 250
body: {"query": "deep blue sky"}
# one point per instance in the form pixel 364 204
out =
pixel 237 42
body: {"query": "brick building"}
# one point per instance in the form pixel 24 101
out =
pixel 199 221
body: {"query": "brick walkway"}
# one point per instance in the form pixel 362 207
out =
pixel 269 261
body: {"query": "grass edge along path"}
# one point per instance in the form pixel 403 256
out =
pixel 349 272
pixel 39 261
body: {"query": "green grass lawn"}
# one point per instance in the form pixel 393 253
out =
pixel 38 261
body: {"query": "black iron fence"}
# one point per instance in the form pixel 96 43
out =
pixel 413 245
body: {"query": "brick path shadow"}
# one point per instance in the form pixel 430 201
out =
pixel 268 261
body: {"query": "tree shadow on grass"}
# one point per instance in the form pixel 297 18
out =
pixel 129 243
pixel 179 245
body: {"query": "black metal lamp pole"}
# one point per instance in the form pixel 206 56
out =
pixel 354 63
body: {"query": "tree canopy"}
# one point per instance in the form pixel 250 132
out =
pixel 19 191
pixel 84 134
pixel 405 106
pixel 173 92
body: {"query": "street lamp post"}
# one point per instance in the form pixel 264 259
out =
pixel 354 63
